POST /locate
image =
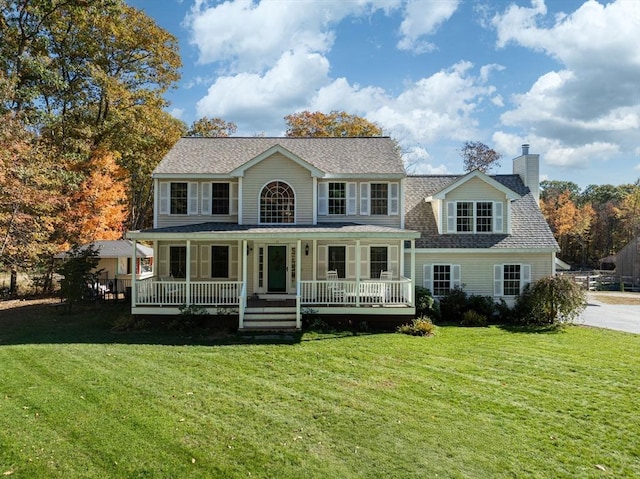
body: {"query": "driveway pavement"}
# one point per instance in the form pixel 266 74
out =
pixel 611 316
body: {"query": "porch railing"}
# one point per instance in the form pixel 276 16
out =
pixel 154 292
pixel 349 293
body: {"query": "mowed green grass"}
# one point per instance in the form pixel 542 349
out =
pixel 78 401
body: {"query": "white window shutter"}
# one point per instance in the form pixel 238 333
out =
pixel 233 198
pixel 426 277
pixel 365 265
pixel 394 198
pixel 323 198
pixel 497 280
pixel 205 261
pixel 364 199
pixel 498 222
pixel 322 261
pixel 165 188
pixel 352 198
pixel 194 261
pixel 233 262
pixel 456 276
pixel 392 260
pixel 525 276
pixel 351 261
pixel 192 209
pixel 163 261
pixel 451 216
pixel 205 205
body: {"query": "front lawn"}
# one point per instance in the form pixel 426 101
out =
pixel 78 401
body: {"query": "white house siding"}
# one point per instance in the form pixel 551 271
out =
pixel 167 220
pixel 277 167
pixel 477 267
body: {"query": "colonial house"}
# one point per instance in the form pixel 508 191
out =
pixel 269 227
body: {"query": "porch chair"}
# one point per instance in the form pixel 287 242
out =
pixel 335 289
pixel 387 291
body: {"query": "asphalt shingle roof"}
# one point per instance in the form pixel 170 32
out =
pixel 377 155
pixel 529 228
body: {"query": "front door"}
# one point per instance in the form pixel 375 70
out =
pixel 277 269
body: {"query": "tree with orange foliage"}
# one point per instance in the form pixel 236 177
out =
pixel 99 208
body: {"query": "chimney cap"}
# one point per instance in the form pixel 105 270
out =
pixel 525 148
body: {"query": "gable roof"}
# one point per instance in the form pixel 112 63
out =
pixel 333 156
pixel 239 171
pixel 115 249
pixel 529 229
pixel 508 192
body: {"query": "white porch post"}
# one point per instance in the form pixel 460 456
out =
pixel 413 271
pixel 134 296
pixel 245 259
pixel 401 272
pixel 314 259
pixel 314 201
pixel 240 200
pixel 298 277
pixel 358 261
pixel 188 274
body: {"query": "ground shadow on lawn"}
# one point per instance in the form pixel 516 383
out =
pixel 48 322
pixel 513 328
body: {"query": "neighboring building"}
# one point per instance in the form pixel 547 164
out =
pixel 334 225
pixel 628 264
pixel 116 264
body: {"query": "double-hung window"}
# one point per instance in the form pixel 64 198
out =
pixel 219 261
pixel 337 198
pixel 337 260
pixel 441 278
pixel 378 260
pixel 474 217
pixel 510 279
pixel 179 198
pixel 178 261
pixel 220 198
pixel 379 198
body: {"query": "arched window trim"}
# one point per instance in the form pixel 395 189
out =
pixel 262 190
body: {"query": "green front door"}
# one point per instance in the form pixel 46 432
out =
pixel 277 269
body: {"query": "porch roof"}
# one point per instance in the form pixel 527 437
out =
pixel 213 230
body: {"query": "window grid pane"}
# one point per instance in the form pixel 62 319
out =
pixel 441 279
pixel 277 203
pixel 178 198
pixel 511 279
pixel 379 195
pixel 484 217
pixel 220 198
pixel 219 261
pixel 464 217
pixel 338 260
pixel 337 199
pixel 378 260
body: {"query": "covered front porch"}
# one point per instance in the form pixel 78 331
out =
pixel 325 269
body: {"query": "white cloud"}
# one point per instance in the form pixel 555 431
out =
pixel 418 162
pixel 177 113
pixel 257 100
pixel 593 101
pixel 250 36
pixel 421 19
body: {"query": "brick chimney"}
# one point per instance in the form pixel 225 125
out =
pixel 527 166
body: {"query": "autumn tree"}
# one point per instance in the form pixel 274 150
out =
pixel 478 156
pixel 211 127
pixel 334 124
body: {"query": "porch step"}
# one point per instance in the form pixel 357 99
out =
pixel 266 318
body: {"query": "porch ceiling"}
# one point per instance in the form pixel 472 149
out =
pixel 304 232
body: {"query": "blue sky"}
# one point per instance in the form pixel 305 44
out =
pixel 561 75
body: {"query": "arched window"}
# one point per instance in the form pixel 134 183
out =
pixel 277 203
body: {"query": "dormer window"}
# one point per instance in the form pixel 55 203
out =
pixel 474 217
